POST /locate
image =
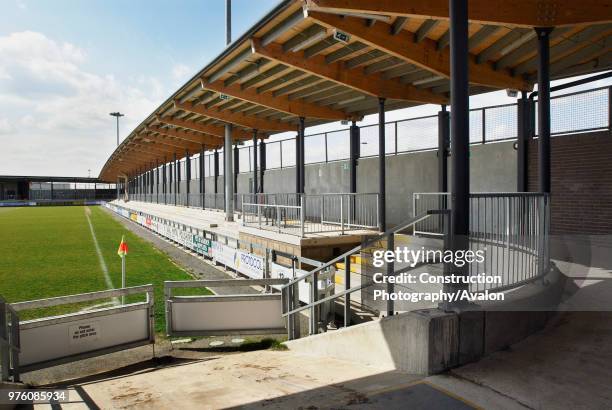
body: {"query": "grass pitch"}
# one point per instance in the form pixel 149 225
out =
pixel 50 251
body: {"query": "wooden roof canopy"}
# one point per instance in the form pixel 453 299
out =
pixel 291 64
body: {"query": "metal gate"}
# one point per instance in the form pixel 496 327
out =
pixel 87 333
pixel 218 315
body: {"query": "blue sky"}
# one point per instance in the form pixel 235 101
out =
pixel 65 64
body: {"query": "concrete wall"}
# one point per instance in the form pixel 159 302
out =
pixel 493 169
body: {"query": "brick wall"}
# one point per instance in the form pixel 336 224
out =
pixel 581 182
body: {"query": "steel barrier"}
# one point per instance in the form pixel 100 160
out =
pixel 512 228
pixel 9 343
pixel 88 333
pixel 218 315
pixel 301 214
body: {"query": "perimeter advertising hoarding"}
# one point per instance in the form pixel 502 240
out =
pixel 243 262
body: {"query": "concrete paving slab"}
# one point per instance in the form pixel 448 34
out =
pixel 274 379
pixel 567 365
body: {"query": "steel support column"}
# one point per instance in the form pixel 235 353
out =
pixel 216 170
pixel 302 134
pixel 297 162
pixel 187 176
pixel 255 187
pixel 202 173
pixel 236 154
pixel 353 156
pixel 544 108
pixel 382 185
pixel 176 178
pixel 460 130
pixel 522 143
pixel 443 146
pixel 228 170
pixel 262 164
pixel 164 177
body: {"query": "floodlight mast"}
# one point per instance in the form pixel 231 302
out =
pixel 117 115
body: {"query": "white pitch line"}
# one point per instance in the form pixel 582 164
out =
pixel 107 279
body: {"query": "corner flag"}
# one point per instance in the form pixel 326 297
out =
pixel 123 248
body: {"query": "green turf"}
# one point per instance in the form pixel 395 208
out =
pixel 49 251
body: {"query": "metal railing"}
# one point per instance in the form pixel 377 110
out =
pixel 301 214
pixel 290 292
pixel 574 112
pixel 512 228
pixel 223 314
pixel 106 324
pixel 9 343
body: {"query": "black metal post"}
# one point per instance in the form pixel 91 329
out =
pixel 443 146
pixel 544 108
pixel 302 134
pixel 262 164
pixel 297 162
pixel 216 169
pixel 164 177
pixel 382 188
pixel 255 161
pixel 353 155
pixel 177 177
pixel 522 141
pixel 187 176
pixel 236 168
pixel 460 130
pixel 202 172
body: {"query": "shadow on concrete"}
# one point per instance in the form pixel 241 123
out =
pixel 150 365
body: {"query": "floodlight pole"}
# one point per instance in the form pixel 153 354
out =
pixel 117 115
pixel 228 168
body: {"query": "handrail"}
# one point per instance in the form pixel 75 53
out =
pixel 291 295
pixel 327 299
pixel 368 242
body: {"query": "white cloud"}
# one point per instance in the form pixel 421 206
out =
pixel 181 73
pixel 55 113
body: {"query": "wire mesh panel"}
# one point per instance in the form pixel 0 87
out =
pixel 501 122
pixel 583 111
pixel 369 140
pixel 578 112
pixel 476 122
pixel 314 148
pixel 288 153
pixel 245 155
pixel 273 155
pixel 417 134
pixel 338 145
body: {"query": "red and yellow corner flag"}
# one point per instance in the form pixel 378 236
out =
pixel 123 248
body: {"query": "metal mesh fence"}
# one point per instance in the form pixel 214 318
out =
pixel 570 113
pixel 417 134
pixel 315 147
pixel 500 122
pixel 338 144
pixel 581 111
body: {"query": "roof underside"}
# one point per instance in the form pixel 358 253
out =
pixel 291 64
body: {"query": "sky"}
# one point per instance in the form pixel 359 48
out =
pixel 66 64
